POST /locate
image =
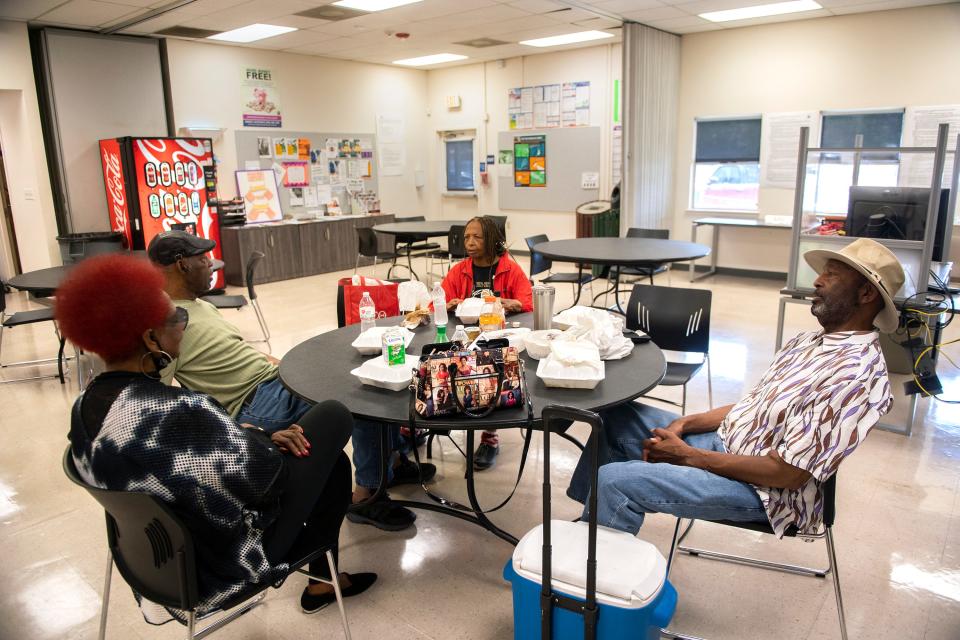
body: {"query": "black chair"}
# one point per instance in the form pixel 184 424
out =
pixel 413 248
pixel 626 273
pixel 453 252
pixel 23 318
pixel 677 320
pixel 154 553
pixel 501 222
pixel 539 263
pixel 829 489
pixel 239 301
pixel 367 247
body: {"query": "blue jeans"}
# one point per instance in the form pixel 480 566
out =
pixel 366 451
pixel 273 407
pixel 629 488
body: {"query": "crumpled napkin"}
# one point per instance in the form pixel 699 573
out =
pixel 573 359
pixel 603 329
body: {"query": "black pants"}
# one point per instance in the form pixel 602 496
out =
pixel 317 489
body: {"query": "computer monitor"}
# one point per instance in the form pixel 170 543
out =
pixel 896 213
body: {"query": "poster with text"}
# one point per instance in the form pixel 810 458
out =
pixel 261 199
pixel 261 102
pixel 530 161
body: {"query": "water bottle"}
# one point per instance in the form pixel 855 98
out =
pixel 368 312
pixel 460 335
pixel 439 306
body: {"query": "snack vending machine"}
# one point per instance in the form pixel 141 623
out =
pixel 157 184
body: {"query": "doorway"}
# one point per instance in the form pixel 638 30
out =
pixel 8 234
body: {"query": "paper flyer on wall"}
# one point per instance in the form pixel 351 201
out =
pixel 920 126
pixel 392 159
pixel 390 128
pixel 780 144
pixel 261 101
pixel 310 197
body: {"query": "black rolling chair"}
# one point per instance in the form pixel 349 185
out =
pixel 239 301
pixel 539 264
pixel 829 489
pixel 367 248
pixel 23 318
pixel 154 553
pixel 677 320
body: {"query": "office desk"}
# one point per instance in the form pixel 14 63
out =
pixel 319 369
pixel 716 223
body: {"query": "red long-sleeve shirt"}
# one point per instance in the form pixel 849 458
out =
pixel 509 279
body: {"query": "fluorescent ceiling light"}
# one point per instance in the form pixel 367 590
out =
pixel 567 38
pixel 761 11
pixel 252 33
pixel 373 5
pixel 436 58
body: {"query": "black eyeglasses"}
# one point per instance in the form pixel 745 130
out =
pixel 180 316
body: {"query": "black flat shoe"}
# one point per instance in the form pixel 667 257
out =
pixel 406 472
pixel 485 456
pixel 359 582
pixel 383 514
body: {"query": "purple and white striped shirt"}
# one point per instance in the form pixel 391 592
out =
pixel 814 405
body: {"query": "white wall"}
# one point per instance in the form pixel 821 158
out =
pixel 31 199
pixel 870 60
pixel 483 89
pixel 316 94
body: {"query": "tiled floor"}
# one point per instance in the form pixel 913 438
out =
pixel 898 528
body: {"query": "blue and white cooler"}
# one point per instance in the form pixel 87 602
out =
pixel 634 598
pixel 602 583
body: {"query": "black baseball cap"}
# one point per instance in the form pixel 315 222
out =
pixel 170 246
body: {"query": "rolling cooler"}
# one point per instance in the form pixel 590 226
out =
pixel 602 584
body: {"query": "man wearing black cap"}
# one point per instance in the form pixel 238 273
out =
pixel 214 358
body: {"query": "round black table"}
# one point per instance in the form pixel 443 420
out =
pixel 621 252
pixel 319 369
pixel 417 231
pixel 47 280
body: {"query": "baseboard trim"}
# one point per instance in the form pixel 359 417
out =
pixel 731 271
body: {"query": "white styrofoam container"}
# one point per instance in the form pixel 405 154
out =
pixel 468 311
pixel 565 380
pixel 377 373
pixel 371 341
pixel 538 342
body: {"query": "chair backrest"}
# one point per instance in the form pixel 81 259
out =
pixel 657 234
pixel 677 319
pixel 501 222
pixel 3 297
pixel 455 242
pixel 366 242
pixel 830 500
pixel 538 263
pixel 252 263
pixel 152 547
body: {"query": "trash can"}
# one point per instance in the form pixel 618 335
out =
pixel 74 247
pixel 634 598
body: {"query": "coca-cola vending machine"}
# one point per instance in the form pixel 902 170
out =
pixel 157 184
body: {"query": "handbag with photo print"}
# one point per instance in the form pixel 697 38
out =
pixel 450 381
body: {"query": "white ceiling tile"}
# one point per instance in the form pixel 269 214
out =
pixel 703 6
pixel 142 4
pixel 683 21
pixel 710 26
pixel 623 7
pixel 496 13
pixel 156 24
pixel 26 9
pixel 882 6
pixel 496 29
pixel 806 15
pixel 298 22
pixel 216 22
pixel 657 13
pixel 292 39
pixel 206 7
pixel 434 8
pixel 598 23
pixel 89 13
pixel 343 27
pixel 537 6
pixel 322 47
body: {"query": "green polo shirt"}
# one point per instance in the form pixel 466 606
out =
pixel 215 359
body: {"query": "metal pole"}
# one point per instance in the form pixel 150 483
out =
pixel 952 205
pixel 798 206
pixel 857 157
pixel 933 205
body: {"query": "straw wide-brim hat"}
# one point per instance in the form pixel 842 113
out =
pixel 877 264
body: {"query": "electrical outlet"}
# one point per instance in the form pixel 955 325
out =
pixel 29 194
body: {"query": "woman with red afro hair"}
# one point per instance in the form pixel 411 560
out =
pixel 250 497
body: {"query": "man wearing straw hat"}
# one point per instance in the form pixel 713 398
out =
pixel 764 458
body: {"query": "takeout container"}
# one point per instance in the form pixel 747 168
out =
pixel 553 375
pixel 370 342
pixel 572 365
pixel 377 373
pixel 516 336
pixel 538 342
pixel 469 310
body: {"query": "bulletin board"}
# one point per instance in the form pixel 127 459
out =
pixel 300 165
pixel 568 154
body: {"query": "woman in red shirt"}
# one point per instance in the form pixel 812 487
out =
pixel 488 266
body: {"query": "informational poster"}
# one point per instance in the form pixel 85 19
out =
pixel 263 147
pixel 261 199
pixel 541 107
pixel 296 174
pixel 780 144
pixel 261 101
pixel 393 158
pixel 530 161
pixel 920 126
pixel 390 128
pixel 616 148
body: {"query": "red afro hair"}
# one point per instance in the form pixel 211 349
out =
pixel 106 303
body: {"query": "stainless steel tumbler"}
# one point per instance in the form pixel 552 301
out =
pixel 543 297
